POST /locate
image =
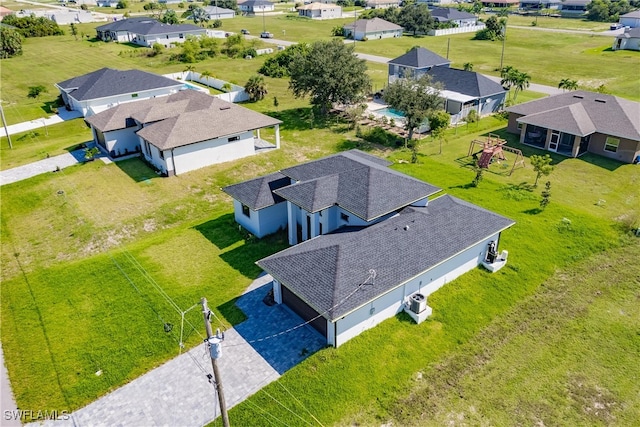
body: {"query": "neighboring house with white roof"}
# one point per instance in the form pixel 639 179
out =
pixel 251 7
pixel 215 12
pixel 66 17
pixel 106 88
pixel 631 19
pixel 372 240
pixel 372 29
pixel 182 132
pixel 629 40
pixel 147 32
pixel 578 122
pixel 320 11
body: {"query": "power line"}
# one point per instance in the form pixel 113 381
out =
pixel 300 403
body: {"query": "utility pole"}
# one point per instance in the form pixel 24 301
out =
pixel 4 122
pixel 214 342
pixel 504 39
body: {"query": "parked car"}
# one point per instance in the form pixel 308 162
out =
pixel 243 31
pixel 266 35
pixel 615 26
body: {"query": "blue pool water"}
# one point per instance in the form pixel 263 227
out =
pixel 391 113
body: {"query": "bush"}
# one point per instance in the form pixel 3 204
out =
pixel 472 117
pixel 377 135
pixel 35 91
pixel 217 23
pixel 122 4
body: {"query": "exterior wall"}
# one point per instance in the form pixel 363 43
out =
pixel 263 222
pixel 626 44
pixel 374 35
pixel 491 104
pixel 221 15
pixel 627 151
pixel 196 156
pixel 512 127
pixel 630 22
pixel 328 13
pixel 166 39
pixel 121 141
pixel 466 28
pixel 391 303
pixel 256 9
pixel 92 106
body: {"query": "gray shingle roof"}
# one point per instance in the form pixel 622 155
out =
pixel 259 193
pixel 373 25
pixel 629 33
pixel 148 26
pixel 107 82
pixel 215 10
pixel 634 14
pixel 325 271
pixel 607 114
pixel 124 24
pixel 354 181
pixel 466 82
pixel 451 14
pixel 420 58
pixel 183 118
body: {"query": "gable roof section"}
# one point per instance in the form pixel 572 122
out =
pixel 259 193
pixel 629 33
pixel 215 10
pixel 572 119
pixel 450 14
pixel 107 82
pixel 373 25
pixel 465 82
pixel 328 272
pixel 420 57
pixel 148 26
pixel 634 14
pixel 610 115
pixel 367 189
pixel 125 24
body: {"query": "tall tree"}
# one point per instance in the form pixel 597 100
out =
pixel 568 84
pixel 330 73
pixel 416 18
pixel 521 81
pixel 170 17
pixel 256 88
pixel 10 42
pixel 416 99
pixel 199 15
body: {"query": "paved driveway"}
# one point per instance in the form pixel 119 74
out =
pixel 178 393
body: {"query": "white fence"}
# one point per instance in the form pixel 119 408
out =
pixel 457 30
pixel 234 94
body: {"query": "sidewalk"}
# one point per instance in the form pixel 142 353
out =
pixel 63 115
pixel 43 166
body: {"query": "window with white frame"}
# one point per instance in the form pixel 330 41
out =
pixel 611 144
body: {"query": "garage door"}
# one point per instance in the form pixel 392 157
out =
pixel 303 310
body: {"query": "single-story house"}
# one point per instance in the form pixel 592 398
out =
pixel 182 132
pixel 540 4
pixel 320 11
pixel 251 7
pixel 415 63
pixel 577 122
pixel 458 17
pixel 107 3
pixel 147 32
pixel 629 40
pixel 215 12
pixel 577 7
pixel 66 17
pixel 372 29
pixel 500 3
pixel 372 239
pixel 382 4
pixel 631 19
pixel 106 88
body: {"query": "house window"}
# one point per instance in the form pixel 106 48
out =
pixel 519 126
pixel 134 95
pixel 245 210
pixel 611 144
pixel 161 154
pixel 344 217
pixel 233 138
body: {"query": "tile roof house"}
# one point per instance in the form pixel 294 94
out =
pixel 463 91
pixel 631 19
pixel 371 239
pixel 372 29
pixel 106 87
pixel 628 40
pixel 577 122
pixel 320 11
pixel 183 131
pixel 146 32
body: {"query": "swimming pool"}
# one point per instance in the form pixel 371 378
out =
pixel 390 112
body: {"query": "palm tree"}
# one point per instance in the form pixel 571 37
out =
pixel 568 84
pixel 507 74
pixel 521 82
pixel 207 75
pixel 256 88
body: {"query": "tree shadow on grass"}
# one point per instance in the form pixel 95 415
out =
pixel 244 257
pixel 532 211
pixel 138 170
pixel 222 231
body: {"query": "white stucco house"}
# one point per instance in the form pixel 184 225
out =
pixel 629 40
pixel 147 31
pixel 105 88
pixel 251 7
pixel 182 132
pixel 371 241
pixel 320 11
pixel 382 4
pixel 631 19
pixel 372 29
pixel 215 12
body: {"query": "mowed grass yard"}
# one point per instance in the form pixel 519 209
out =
pixel 84 251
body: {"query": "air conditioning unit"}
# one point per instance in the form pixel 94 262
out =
pixel 418 303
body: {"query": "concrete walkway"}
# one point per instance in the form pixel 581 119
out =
pixel 63 115
pixel 178 393
pixel 42 166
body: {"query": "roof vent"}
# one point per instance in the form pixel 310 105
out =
pixel 602 101
pixel 578 96
pixel 225 107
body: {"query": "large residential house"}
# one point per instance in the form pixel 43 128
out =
pixel 146 32
pixel 382 4
pixel 628 40
pixel 368 242
pixel 320 11
pixel 415 63
pixel 105 88
pixel 252 7
pixel 457 17
pixel 372 29
pixel 215 12
pixel 577 122
pixel 182 132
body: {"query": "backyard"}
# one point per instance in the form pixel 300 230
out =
pixel 86 251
